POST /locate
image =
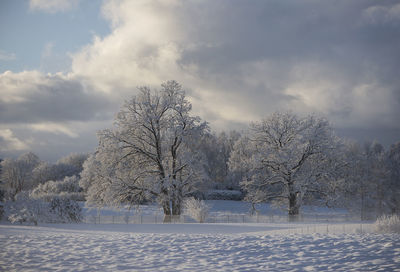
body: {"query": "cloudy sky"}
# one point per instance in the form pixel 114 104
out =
pixel 67 65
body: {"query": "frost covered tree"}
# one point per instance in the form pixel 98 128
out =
pixel 357 189
pixel 368 187
pixel 197 209
pixel 73 163
pixel 217 149
pixel 44 172
pixel 286 157
pixel 16 175
pixel 150 154
pixel 67 188
pixel 68 166
pixel 377 175
pixel 393 164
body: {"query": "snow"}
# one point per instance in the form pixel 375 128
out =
pixel 195 247
pixel 333 245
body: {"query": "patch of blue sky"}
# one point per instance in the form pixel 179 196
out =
pixel 26 34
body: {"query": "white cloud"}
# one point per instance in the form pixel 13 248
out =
pixel 4 56
pixel 16 86
pixel 238 68
pixel 9 142
pixel 55 128
pixel 240 61
pixel 142 49
pixel 32 97
pixel 50 114
pixel 382 14
pixel 53 6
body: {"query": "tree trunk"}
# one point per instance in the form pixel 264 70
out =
pixel 167 212
pixel 174 213
pixel 176 207
pixel 362 211
pixel 294 209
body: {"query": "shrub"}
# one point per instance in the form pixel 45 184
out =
pixel 66 210
pixel 24 209
pixel 197 209
pixel 66 188
pixel 388 224
pixel 33 210
pixel 23 215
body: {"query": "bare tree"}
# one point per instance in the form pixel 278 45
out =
pixel 286 158
pixel 368 188
pixel 74 161
pixel 150 154
pixel 217 149
pixel 68 166
pixel 16 175
pixel 393 163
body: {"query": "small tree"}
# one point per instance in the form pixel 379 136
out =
pixel 197 209
pixel 388 224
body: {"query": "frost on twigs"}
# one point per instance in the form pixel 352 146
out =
pixel 27 209
pixel 288 158
pixel 23 215
pixel 67 188
pixel 197 209
pixel 151 154
pixel 388 224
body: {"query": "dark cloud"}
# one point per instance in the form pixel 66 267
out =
pixel 241 60
pixel 250 50
pixel 36 98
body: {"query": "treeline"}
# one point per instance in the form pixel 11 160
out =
pixel 158 152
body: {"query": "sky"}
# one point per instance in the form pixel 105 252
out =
pixel 66 66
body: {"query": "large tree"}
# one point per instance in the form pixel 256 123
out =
pixel 287 157
pixel 150 154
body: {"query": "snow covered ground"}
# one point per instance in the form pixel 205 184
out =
pixel 195 247
pixel 310 245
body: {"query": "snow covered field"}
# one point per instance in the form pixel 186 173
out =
pixel 195 247
pixel 315 245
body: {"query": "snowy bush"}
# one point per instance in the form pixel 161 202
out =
pixel 66 188
pixel 24 215
pixel 33 210
pixel 66 210
pixel 388 224
pixel 197 209
pixel 224 195
pixel 24 209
